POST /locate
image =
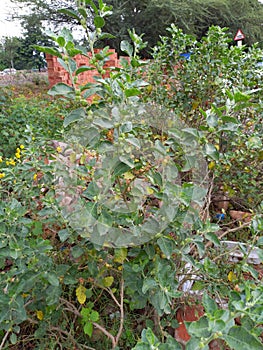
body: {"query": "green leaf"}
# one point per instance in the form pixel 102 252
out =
pixel 61 41
pixel 88 328
pixel 170 344
pixel 212 238
pixel 104 123
pixel 166 245
pixel 120 169
pixel 238 338
pixel 52 279
pixel 74 116
pixel 209 304
pixel 70 13
pixel 107 281
pixel 211 151
pixel 103 36
pixel 99 22
pixel 148 284
pixel 120 255
pixel 126 47
pixel 62 89
pixel 94 316
pixel 195 344
pixel 50 50
pixel 241 97
pixel 83 69
pixel 63 235
pixel 132 92
pixel 198 328
pixel 13 338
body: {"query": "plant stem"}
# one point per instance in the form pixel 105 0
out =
pixel 4 340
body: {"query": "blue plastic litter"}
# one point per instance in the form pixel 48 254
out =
pixel 220 216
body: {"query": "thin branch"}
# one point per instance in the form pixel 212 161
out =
pixel 4 340
pixel 121 312
pixel 104 331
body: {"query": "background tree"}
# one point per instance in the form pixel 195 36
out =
pixel 9 51
pixel 152 17
pixel 33 35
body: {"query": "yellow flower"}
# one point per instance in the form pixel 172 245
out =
pixel 22 146
pixel 35 177
pixel 7 162
pixel 2 175
pixel 40 315
pixel 18 155
pixel 1 159
pixel 59 149
pixel 18 150
pixel 12 162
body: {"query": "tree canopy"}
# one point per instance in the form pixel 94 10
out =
pixel 152 17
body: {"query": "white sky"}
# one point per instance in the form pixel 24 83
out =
pixel 8 28
pixel 12 28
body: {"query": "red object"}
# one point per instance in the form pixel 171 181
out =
pixel 239 35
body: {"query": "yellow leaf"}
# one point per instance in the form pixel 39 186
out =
pixel 128 176
pixel 232 276
pixel 149 190
pixel 211 165
pixel 120 255
pixel 107 281
pixel 40 315
pixel 81 294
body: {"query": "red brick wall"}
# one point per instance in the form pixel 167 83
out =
pixel 57 74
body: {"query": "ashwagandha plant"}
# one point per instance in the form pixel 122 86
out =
pixel 129 188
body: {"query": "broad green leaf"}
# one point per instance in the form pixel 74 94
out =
pixel 104 123
pixel 63 235
pixel 70 13
pixel 195 344
pixel 120 255
pixel 238 338
pixel 120 169
pixel 13 338
pixel 126 47
pixel 103 36
pixel 52 279
pixel 74 116
pixel 94 316
pixel 83 69
pixel 107 281
pixel 209 304
pixel 83 12
pixel 76 251
pixel 211 151
pixel 198 328
pixel 212 238
pixel 50 50
pixel 148 284
pixel 99 22
pixel 61 41
pixel 62 89
pixel 132 92
pixel 88 328
pixel 170 344
pixel 166 245
pixel 241 97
